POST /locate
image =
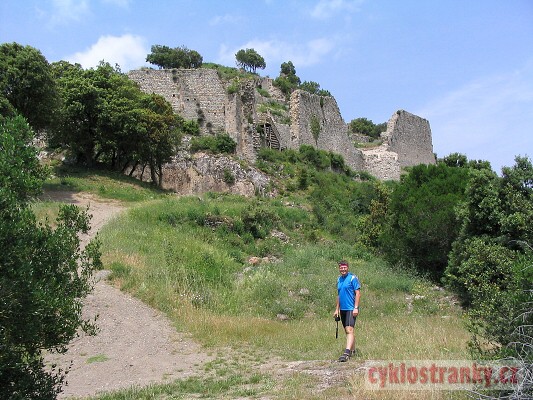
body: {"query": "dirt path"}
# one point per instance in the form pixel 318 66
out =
pixel 136 345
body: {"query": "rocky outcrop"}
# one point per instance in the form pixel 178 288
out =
pixel 201 173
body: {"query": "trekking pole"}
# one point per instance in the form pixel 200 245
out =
pixel 337 319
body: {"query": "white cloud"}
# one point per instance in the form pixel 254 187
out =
pixel 128 51
pixel 489 118
pixel 64 11
pixel 276 52
pixel 324 9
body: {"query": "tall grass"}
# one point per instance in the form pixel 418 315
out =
pixel 190 258
pixel 167 253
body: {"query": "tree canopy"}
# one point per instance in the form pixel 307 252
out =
pixel 27 85
pixel 287 80
pixel 421 224
pixel 178 57
pixel 105 118
pixel 250 60
pixel 314 88
pixel 364 126
pixel 491 265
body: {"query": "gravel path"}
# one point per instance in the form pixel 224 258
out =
pixel 136 345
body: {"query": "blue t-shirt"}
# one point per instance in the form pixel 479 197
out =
pixel 346 287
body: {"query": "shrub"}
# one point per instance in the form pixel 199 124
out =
pixel 191 127
pixel 263 92
pixel 229 178
pixel 215 144
pixel 421 219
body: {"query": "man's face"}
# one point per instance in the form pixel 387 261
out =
pixel 343 269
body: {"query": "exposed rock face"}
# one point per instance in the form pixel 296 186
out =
pixel 202 173
pixel 199 94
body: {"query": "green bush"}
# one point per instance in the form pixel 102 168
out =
pixel 491 265
pixel 318 158
pixel 263 92
pixel 191 127
pixel 421 224
pixel 229 178
pixel 215 144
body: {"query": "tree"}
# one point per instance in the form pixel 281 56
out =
pixel 179 57
pixel 288 69
pixel 250 59
pixel 80 112
pixel 26 82
pixel 491 265
pixel 364 126
pixel 107 119
pixel 287 80
pixel 421 224
pixel 314 88
pixel 43 274
pixel 160 134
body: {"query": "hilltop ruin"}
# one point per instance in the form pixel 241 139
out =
pixel 255 114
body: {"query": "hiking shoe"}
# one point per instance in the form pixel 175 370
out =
pixel 344 357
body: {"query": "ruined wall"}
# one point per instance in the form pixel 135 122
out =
pixel 333 134
pixel 199 94
pixel 381 163
pixel 196 94
pixel 409 136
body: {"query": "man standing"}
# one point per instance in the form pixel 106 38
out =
pixel 347 306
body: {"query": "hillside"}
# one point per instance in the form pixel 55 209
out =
pixel 252 280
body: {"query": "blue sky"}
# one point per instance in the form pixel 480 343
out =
pixel 466 66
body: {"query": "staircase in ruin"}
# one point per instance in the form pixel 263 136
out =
pixel 269 137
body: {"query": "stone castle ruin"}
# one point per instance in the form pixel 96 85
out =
pixel 255 114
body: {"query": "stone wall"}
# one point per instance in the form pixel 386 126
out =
pixel 333 134
pixel 199 94
pixel 409 136
pixel 196 94
pixel 381 163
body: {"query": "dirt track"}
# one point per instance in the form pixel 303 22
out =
pixel 136 345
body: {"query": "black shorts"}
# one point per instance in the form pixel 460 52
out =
pixel 347 318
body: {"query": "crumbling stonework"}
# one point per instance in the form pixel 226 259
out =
pixel 199 94
pixel 409 136
pixel 381 163
pixel 332 135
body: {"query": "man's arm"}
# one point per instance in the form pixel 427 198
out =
pixel 357 298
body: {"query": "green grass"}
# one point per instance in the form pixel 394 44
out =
pixel 189 257
pixel 164 253
pixel 97 359
pixel 104 183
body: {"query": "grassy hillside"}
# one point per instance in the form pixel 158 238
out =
pixel 253 280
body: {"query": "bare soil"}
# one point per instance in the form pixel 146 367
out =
pixel 135 345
